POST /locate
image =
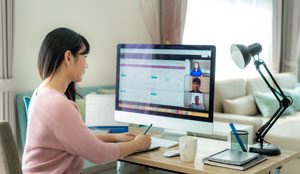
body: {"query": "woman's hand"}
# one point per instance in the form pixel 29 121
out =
pixel 127 136
pixel 144 141
pixel 140 142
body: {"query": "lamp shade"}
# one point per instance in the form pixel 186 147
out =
pixel 241 54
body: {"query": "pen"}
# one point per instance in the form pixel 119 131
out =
pixel 148 129
pixel 237 137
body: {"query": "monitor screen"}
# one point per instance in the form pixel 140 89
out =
pixel 165 83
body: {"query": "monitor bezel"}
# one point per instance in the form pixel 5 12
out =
pixel 140 113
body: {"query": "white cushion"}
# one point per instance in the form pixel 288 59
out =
pixel 286 80
pixel 228 89
pixel 257 84
pixel 240 106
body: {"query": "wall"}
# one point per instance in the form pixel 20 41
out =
pixel 104 23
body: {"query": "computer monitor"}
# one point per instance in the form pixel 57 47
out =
pixel 161 84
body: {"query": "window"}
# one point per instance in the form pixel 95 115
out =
pixel 226 22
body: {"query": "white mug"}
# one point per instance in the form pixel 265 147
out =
pixel 187 148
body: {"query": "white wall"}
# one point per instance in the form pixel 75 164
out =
pixel 104 23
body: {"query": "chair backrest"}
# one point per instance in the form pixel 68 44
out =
pixel 9 157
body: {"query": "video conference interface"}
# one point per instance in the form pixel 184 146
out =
pixel 167 81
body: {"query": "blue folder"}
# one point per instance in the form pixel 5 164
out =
pixel 109 129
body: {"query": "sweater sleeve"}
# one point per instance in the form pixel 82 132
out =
pixel 74 137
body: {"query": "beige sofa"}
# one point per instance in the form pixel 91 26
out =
pixel 235 102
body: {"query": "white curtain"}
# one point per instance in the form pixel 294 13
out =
pixel 290 55
pixel 6 63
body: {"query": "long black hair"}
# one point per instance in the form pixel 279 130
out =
pixel 52 52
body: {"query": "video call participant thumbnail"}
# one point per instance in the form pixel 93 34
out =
pixel 197 104
pixel 196 71
pixel 196 85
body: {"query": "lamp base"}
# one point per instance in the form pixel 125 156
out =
pixel 267 149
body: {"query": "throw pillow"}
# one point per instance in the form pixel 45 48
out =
pixel 81 105
pixel 107 91
pixel 26 100
pixel 295 94
pixel 241 106
pixel 268 104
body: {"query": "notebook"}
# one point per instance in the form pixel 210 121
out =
pixel 233 157
pixel 245 166
pixel 151 148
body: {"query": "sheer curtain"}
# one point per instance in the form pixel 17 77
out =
pixel 165 20
pixel 151 12
pixel 226 22
pixel 274 65
pixel 6 63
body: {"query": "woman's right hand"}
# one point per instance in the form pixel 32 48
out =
pixel 144 141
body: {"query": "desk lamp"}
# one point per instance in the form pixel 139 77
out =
pixel 241 55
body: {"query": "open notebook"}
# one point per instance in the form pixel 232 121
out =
pixel 146 150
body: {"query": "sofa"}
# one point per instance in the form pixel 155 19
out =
pixel 242 101
pixel 22 122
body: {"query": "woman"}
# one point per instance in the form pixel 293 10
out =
pixel 196 71
pixel 57 139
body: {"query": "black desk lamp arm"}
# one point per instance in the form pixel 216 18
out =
pixel 283 103
pixel 260 134
pixel 277 93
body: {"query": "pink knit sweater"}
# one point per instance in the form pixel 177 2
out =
pixel 57 138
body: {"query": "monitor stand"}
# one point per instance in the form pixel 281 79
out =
pixel 171 134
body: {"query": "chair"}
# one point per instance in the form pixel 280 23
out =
pixel 9 157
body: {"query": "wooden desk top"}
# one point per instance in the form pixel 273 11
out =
pixel 205 148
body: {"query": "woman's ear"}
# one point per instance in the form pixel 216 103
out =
pixel 67 57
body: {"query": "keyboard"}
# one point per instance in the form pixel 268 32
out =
pixel 163 142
